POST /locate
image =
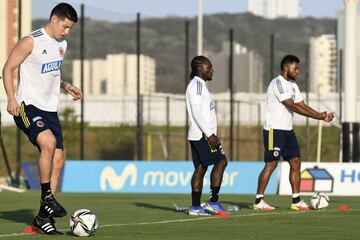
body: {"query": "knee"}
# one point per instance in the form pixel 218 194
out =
pixel 48 146
pixel 271 165
pixel 295 163
pixel 223 163
pixel 200 171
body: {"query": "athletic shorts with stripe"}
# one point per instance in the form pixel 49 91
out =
pixel 202 153
pixel 279 143
pixel 33 121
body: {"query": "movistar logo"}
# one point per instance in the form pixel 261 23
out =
pixel 51 66
pixel 116 182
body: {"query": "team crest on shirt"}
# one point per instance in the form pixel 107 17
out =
pixel 40 123
pixel 276 153
pixel 61 51
pixel 222 151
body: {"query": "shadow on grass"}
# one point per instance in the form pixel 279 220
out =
pixel 147 205
pixel 240 204
pixel 172 209
pixel 21 215
pixel 70 233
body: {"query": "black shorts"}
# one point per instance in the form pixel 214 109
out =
pixel 33 121
pixel 279 143
pixel 202 153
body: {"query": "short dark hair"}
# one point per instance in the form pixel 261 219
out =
pixel 64 10
pixel 289 59
pixel 196 62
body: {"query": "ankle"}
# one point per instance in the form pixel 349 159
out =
pixel 214 194
pixel 296 198
pixel 195 197
pixel 45 190
pixel 258 198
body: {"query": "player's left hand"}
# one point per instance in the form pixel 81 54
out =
pixel 74 92
pixel 329 117
pixel 213 142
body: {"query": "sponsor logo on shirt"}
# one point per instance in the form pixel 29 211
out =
pixel 51 66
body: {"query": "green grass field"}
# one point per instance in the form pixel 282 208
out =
pixel 152 216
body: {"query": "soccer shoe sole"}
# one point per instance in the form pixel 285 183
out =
pixel 199 214
pixel 296 208
pixel 263 209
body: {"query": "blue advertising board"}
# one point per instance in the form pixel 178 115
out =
pixel 157 177
pixel 31 175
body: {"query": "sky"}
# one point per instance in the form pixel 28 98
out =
pixel 117 10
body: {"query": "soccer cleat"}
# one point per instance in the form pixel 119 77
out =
pixel 52 220
pixel 213 207
pixel 45 225
pixel 52 207
pixel 262 205
pixel 300 206
pixel 198 211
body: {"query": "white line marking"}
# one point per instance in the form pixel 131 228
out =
pixel 188 220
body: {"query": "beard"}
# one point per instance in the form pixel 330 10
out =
pixel 292 77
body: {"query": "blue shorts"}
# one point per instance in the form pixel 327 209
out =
pixel 203 155
pixel 279 143
pixel 33 121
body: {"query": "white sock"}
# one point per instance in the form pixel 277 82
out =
pixel 259 195
pixel 295 195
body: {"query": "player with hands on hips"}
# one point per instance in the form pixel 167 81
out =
pixel 205 146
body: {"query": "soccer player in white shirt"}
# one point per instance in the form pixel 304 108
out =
pixel 283 99
pixel 205 146
pixel 39 56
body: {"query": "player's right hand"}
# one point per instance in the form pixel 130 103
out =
pixel 213 142
pixel 13 107
pixel 323 116
pixel 329 117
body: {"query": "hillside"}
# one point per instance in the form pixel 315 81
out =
pixel 163 39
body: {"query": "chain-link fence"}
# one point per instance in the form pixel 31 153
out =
pixel 134 71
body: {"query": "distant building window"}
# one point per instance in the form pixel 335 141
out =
pixel 103 87
pixel 165 71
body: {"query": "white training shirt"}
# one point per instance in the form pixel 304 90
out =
pixel 278 116
pixel 40 72
pixel 201 110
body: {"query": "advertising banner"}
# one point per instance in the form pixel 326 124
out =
pixel 157 177
pixel 341 179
